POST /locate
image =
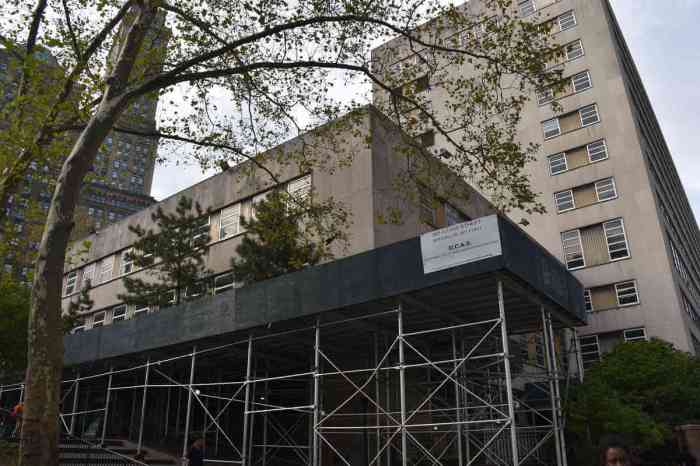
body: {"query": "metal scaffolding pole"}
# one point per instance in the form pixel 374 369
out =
pixel 189 403
pixel 265 389
pixel 106 411
pixel 377 418
pixel 317 395
pixel 246 406
pixel 76 386
pixel 143 405
pixel 457 401
pixel 509 379
pixel 167 414
pixel 557 394
pixel 546 337
pixel 402 388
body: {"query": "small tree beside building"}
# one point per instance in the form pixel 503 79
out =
pixel 174 253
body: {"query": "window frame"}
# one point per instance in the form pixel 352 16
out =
pixel 625 292
pixel 586 342
pixel 566 163
pixel 141 309
pixel 624 237
pixel 545 96
pixel 201 230
pixel 566 50
pixel 105 261
pixel 232 207
pixel 71 282
pixel 220 289
pixel 126 262
pixel 302 184
pixel 580 249
pixel 633 339
pixel 612 188
pixel 123 316
pixel 588 300
pixel 544 128
pixel 581 117
pixel 588 151
pixel 571 201
pixel 588 80
pixel 99 323
pixel 559 20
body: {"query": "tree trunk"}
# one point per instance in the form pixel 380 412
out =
pixel 40 432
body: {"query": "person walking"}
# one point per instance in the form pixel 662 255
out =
pixel 196 454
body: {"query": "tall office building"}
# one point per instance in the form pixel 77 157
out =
pixel 617 213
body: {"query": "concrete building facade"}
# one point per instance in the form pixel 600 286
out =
pixel 617 213
pixel 376 150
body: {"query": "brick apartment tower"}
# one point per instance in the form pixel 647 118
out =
pixel 617 212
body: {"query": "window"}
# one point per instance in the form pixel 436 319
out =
pixel 597 151
pixel 168 299
pixel 127 261
pixel 79 328
pixel 589 115
pixel 71 280
pixel 564 200
pixel 300 188
pixel 119 313
pixel 574 50
pixel 573 252
pixel 196 290
pixel 88 274
pixel 605 189
pixel 452 215
pixel 257 199
pixel 557 163
pixel 106 269
pixel 587 301
pixel 140 310
pixel 526 7
pixel 545 95
pixel 635 334
pixel 626 293
pixel 551 128
pixel 590 350
pixel 581 81
pixel 567 20
pixel 200 231
pixel 98 320
pixel 616 239
pixel 223 282
pixel 229 223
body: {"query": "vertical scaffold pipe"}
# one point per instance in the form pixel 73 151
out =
pixel 143 405
pixel 546 337
pixel 246 405
pixel 557 393
pixel 402 387
pixel 106 411
pixel 189 403
pixel 76 387
pixel 377 418
pixel 460 460
pixel 315 454
pixel 509 377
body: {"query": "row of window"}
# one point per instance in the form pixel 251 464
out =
pixel 581 118
pixel 595 244
pixel 602 298
pixel 585 195
pixel 229 225
pixel 573 85
pixel 590 345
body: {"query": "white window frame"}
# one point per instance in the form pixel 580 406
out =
pixel 526 8
pixel 623 289
pixel 588 300
pixel 593 107
pixel 605 186
pixel 88 274
pixel 99 323
pixel 545 130
pixel 569 24
pixel 564 198
pixel 106 273
pixel 127 264
pixel 609 225
pixel 589 345
pixel 71 283
pixel 552 157
pixel 119 308
pixel 141 309
pixel 643 337
pixel 78 329
pixel 230 217
pixel 580 47
pixel 300 188
pixel 605 151
pixel 202 292
pixel 577 77
pixel 201 230
pixel 219 289
pixel 544 96
pixel 570 246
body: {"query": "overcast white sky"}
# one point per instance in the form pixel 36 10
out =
pixel 663 42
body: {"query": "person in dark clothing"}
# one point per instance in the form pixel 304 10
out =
pixel 615 452
pixel 196 453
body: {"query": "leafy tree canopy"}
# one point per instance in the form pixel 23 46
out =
pixel 641 389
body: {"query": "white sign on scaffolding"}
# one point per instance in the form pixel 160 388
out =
pixel 460 244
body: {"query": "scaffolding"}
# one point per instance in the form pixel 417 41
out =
pixel 399 383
